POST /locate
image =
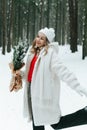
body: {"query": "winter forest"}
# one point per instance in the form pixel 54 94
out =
pixel 20 19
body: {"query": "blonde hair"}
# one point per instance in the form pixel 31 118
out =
pixel 34 49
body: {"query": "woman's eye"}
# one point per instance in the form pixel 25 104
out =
pixel 40 37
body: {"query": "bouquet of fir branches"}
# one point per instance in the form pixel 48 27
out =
pixel 19 52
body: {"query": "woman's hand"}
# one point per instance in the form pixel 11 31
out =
pixel 14 72
pixel 18 72
pixel 12 68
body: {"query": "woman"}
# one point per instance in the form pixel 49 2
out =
pixel 43 72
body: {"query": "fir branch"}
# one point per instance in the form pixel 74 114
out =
pixel 19 53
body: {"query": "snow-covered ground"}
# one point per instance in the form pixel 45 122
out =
pixel 11 104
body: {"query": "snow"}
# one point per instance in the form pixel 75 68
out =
pixel 11 107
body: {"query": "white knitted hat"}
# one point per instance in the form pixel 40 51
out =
pixel 49 33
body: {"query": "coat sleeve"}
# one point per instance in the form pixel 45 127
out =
pixel 66 75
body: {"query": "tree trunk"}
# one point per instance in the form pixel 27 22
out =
pixel 42 14
pixel 32 20
pixel 10 40
pixel 4 26
pixel 48 12
pixel 56 21
pixel 28 19
pixel 1 24
pixel 84 51
pixel 73 11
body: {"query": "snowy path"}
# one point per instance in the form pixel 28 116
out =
pixel 11 103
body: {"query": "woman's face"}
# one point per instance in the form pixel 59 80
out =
pixel 40 40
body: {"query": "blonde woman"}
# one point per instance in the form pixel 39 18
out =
pixel 43 73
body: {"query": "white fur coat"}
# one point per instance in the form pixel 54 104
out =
pixel 45 87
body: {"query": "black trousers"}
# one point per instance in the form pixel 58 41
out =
pixel 74 119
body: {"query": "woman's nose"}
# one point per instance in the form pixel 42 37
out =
pixel 38 39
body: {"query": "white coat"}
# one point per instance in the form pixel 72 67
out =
pixel 45 87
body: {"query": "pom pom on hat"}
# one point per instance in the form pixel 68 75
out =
pixel 49 33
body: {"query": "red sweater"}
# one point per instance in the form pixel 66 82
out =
pixel 32 64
